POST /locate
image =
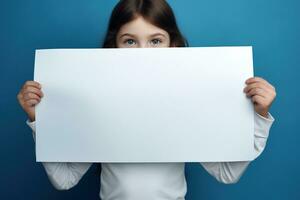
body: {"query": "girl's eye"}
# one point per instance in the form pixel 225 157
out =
pixel 155 42
pixel 130 42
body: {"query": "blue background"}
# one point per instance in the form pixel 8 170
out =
pixel 271 26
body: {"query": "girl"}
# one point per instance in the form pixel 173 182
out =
pixel 142 24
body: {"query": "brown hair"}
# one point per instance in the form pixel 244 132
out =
pixel 156 12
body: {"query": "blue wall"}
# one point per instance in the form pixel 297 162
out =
pixel 271 26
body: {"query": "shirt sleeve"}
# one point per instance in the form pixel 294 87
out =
pixel 230 172
pixel 62 175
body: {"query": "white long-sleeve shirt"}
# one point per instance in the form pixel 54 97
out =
pixel 159 181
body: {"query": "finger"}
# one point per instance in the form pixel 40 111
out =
pixel 258 79
pixel 257 91
pixel 31 95
pixel 33 90
pixel 32 102
pixel 20 96
pixel 256 85
pixel 255 79
pixel 258 99
pixel 32 83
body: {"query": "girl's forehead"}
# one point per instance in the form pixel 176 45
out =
pixel 139 26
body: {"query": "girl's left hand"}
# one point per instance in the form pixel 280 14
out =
pixel 261 93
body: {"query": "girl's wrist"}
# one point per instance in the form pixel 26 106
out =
pixel 31 119
pixel 263 113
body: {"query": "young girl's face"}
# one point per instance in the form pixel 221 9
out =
pixel 141 34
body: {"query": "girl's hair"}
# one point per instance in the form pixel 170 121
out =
pixel 156 12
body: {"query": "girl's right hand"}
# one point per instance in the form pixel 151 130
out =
pixel 29 96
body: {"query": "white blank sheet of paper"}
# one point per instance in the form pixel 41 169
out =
pixel 144 105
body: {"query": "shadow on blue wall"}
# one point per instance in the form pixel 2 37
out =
pixel 272 27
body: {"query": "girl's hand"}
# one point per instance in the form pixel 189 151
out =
pixel 261 93
pixel 29 96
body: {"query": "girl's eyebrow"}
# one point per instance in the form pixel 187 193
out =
pixel 152 35
pixel 157 34
pixel 127 34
